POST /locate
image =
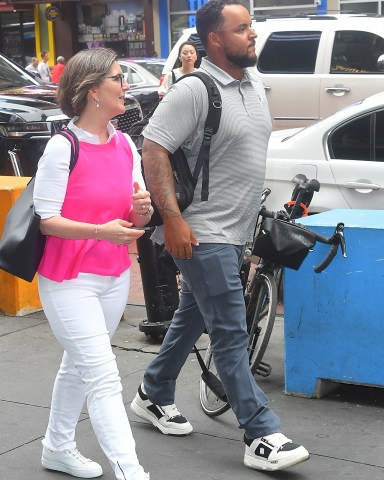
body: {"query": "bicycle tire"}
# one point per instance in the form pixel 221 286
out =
pixel 261 314
pixel 210 402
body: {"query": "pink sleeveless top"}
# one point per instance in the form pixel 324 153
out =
pixel 99 190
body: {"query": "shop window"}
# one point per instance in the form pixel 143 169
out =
pixel 17 36
pixel 120 26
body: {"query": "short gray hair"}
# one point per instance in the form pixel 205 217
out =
pixel 83 71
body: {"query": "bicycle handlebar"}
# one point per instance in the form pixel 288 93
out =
pixel 336 239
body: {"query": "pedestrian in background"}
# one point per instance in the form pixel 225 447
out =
pixel 208 240
pixel 43 68
pixel 57 69
pixel 187 58
pixel 84 274
pixel 32 67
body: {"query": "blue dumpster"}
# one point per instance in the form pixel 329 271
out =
pixel 334 327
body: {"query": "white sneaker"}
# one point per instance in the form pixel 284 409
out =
pixel 165 418
pixel 72 462
pixel 273 452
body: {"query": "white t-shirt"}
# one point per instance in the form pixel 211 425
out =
pixel 44 72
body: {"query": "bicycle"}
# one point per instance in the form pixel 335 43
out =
pixel 261 293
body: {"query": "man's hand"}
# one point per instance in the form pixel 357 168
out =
pixel 179 237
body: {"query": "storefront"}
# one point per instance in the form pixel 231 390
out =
pixel 65 27
pixel 119 25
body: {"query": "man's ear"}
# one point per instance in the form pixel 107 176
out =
pixel 214 39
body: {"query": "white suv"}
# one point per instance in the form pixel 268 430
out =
pixel 314 65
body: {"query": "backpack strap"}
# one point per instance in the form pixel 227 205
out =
pixel 69 135
pixel 173 76
pixel 211 126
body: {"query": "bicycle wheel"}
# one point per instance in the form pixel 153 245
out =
pixel 261 313
pixel 210 402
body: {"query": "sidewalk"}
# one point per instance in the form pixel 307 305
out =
pixel 343 431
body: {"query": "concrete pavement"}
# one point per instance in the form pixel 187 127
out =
pixel 343 431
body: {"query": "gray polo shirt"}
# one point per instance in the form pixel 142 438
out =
pixel 238 151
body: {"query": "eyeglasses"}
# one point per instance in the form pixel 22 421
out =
pixel 119 78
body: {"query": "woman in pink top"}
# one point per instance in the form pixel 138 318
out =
pixel 84 274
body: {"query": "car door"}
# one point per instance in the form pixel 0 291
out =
pixel 356 152
pixel 351 71
pixel 287 63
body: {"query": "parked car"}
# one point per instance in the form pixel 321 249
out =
pixel 15 80
pixel 141 67
pixel 344 151
pixel 28 112
pixel 143 76
pixel 153 65
pixel 314 65
pixel 25 128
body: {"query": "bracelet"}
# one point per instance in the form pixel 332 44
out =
pixel 148 212
pixel 97 231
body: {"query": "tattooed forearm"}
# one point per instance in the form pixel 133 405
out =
pixel 159 179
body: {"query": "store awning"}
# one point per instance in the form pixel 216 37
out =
pixel 6 7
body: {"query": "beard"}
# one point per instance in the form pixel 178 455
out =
pixel 242 61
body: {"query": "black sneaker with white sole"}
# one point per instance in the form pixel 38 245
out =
pixel 273 452
pixel 165 418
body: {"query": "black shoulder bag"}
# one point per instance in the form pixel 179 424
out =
pixel 22 244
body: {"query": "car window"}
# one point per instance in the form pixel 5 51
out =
pixel 130 75
pixel 135 77
pixel 360 139
pixel 290 52
pixel 12 77
pixel 155 68
pixel 356 52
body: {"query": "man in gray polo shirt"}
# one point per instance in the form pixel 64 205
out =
pixel 207 240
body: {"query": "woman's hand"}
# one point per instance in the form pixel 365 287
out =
pixel 141 200
pixel 142 209
pixel 118 232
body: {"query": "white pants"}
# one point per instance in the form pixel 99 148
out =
pixel 84 313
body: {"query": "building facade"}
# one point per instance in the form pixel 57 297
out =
pixel 134 28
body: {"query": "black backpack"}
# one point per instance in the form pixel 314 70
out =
pixel 184 180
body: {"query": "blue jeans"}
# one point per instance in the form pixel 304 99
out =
pixel 212 299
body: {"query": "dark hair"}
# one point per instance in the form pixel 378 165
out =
pixel 83 71
pixel 188 42
pixel 208 17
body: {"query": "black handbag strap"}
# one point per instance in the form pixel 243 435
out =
pixel 67 133
pixel 211 126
